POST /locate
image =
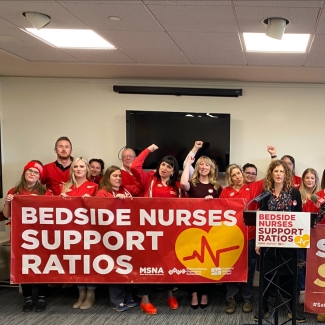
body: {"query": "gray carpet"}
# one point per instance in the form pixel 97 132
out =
pixel 59 311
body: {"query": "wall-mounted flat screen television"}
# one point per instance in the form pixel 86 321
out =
pixel 175 133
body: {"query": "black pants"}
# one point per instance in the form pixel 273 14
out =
pixel 28 289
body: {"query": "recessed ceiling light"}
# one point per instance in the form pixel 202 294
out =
pixel 189 115
pixel 259 42
pixel 115 18
pixel 71 38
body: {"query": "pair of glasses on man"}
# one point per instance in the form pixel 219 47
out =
pixel 250 174
pixel 35 172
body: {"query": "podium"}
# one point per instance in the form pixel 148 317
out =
pixel 274 262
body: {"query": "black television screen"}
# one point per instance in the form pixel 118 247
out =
pixel 175 133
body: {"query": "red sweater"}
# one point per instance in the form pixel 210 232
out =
pixel 152 186
pixel 24 192
pixel 296 181
pixel 122 190
pixel 321 194
pixel 131 184
pixel 247 192
pixel 53 177
pixel 87 187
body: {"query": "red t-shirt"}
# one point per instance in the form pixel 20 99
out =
pixel 309 206
pixel 87 187
pixel 321 194
pixel 247 192
pixel 122 190
pixel 25 192
pixel 130 183
pixel 53 177
pixel 296 181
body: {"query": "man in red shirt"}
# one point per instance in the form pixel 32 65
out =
pixel 58 172
pixel 128 156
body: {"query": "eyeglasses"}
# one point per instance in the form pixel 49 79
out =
pixel 128 157
pixel 251 174
pixel 35 172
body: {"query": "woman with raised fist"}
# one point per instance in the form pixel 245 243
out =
pixel 159 183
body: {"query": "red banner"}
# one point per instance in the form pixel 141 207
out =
pixel 315 272
pixel 139 240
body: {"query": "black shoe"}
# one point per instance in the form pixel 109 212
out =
pixel 202 306
pixel 194 306
pixel 28 307
pixel 40 306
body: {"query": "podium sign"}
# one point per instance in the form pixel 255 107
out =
pixel 282 229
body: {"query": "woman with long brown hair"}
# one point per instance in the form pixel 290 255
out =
pixel 29 184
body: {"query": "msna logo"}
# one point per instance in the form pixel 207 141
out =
pixel 151 270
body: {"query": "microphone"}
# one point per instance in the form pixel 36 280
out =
pixel 262 196
pixel 318 201
pixel 320 204
pixel 259 198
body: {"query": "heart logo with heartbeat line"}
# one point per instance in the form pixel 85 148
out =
pixel 221 247
pixel 302 241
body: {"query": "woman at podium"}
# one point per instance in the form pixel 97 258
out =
pixel 284 197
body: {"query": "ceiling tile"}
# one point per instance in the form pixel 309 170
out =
pixel 34 53
pixel 315 59
pixel 147 47
pixel 99 56
pixel 134 15
pixel 276 59
pixel 210 48
pixel 195 18
pixel 280 3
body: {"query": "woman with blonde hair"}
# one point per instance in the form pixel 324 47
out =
pixel 238 189
pixel 79 184
pixel 203 184
pixel 308 187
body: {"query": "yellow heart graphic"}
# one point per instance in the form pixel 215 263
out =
pixel 302 241
pixel 219 248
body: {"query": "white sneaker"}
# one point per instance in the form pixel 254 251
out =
pixel 301 298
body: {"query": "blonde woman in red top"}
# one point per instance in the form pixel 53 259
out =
pixel 161 183
pixel 79 184
pixel 29 184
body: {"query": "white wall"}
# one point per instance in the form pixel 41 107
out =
pixel 36 111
